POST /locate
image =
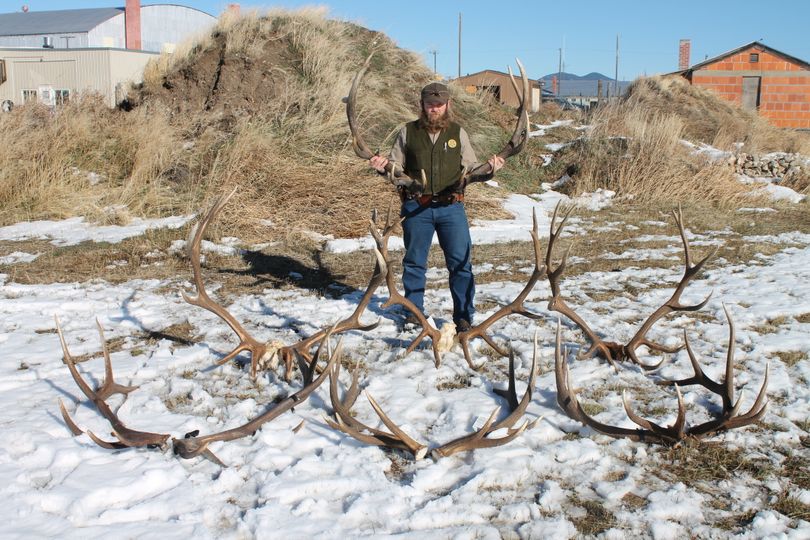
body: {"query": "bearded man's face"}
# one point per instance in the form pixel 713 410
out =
pixel 435 116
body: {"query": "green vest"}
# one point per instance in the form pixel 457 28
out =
pixel 441 160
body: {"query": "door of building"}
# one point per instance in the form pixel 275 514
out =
pixel 750 94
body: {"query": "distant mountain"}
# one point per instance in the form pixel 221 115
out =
pixel 592 76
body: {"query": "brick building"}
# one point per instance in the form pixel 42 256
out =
pixel 756 77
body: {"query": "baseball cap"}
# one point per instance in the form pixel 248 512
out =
pixel 435 93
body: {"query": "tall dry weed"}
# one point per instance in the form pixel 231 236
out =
pixel 710 119
pixel 285 143
pixel 638 153
pixel 82 159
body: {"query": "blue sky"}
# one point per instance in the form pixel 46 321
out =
pixel 494 33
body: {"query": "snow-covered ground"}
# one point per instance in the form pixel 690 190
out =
pixel 319 483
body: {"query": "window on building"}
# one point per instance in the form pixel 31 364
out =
pixel 29 95
pixel 754 57
pixel 2 71
pixel 62 96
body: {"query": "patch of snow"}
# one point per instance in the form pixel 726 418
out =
pixel 73 231
pixel 19 257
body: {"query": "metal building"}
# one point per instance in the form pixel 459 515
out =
pixel 52 76
pixel 499 85
pixel 50 55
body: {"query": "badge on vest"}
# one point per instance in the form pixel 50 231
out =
pixel 452 143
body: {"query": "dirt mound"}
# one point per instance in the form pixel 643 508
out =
pixel 220 83
pixel 260 103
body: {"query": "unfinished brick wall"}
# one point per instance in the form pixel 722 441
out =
pixel 784 85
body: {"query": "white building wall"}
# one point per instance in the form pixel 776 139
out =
pixel 72 40
pixel 164 26
pixel 110 33
pixel 85 70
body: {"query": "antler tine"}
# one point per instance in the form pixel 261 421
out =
pixel 396 298
pixel 190 447
pixel 700 377
pixel 607 350
pixel 360 148
pixel 127 437
pixel 671 305
pixel 514 307
pixel 676 433
pixel 109 387
pixel 352 322
pixel 612 351
pixel 346 423
pixel 509 393
pixel 396 175
pixel 417 449
pixel 518 408
pixel 519 136
pixel 480 438
pixel 667 435
pixel 399 439
pixel 521 133
pixel 569 403
pixel 259 352
pixel 729 418
pixel 756 411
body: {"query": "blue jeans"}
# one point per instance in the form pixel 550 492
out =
pixel 449 222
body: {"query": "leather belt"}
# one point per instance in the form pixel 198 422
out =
pixel 446 198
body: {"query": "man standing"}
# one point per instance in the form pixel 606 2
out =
pixel 436 146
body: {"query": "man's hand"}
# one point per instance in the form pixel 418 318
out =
pixel 378 163
pixel 496 163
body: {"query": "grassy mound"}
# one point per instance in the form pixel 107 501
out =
pixel 256 104
pixel 635 145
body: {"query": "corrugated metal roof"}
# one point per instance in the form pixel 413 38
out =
pixel 54 22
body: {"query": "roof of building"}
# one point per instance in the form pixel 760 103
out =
pixel 61 21
pixel 586 88
pixel 52 22
pixel 732 52
pixel 532 82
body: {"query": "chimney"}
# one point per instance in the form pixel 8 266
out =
pixel 132 18
pixel 683 54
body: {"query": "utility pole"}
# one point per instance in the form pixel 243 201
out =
pixel 559 73
pixel 459 45
pixel 434 52
pixel 616 73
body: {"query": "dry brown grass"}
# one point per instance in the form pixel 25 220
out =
pixel 710 119
pixel 638 153
pixel 47 158
pixel 597 518
pixel 635 145
pixel 257 104
pixel 696 463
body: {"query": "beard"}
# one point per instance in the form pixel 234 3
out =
pixel 435 123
